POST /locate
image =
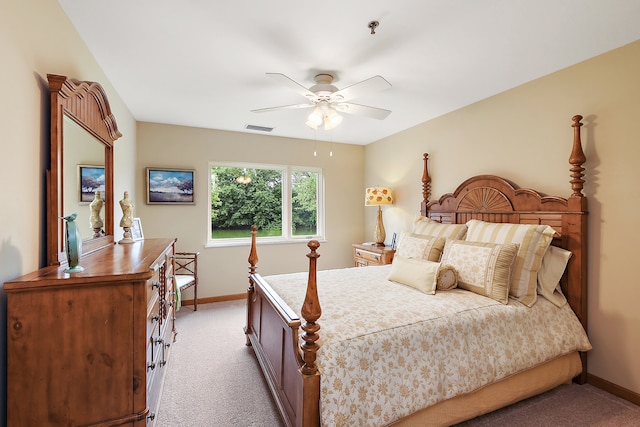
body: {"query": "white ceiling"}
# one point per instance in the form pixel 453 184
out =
pixel 202 63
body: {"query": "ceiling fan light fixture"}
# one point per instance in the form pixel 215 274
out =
pixel 324 114
pixel 315 118
pixel 332 119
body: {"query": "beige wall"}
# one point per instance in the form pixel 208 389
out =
pixel 36 38
pixel 223 271
pixel 524 134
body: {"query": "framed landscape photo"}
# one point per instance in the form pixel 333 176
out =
pixel 90 180
pixel 170 186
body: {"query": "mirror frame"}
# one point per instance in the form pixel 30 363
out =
pixel 85 103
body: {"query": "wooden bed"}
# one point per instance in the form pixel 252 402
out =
pixel 288 356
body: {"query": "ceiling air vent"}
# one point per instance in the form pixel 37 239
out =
pixel 258 128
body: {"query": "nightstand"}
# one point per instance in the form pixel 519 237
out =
pixel 364 255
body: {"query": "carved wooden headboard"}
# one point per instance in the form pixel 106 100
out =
pixel 494 199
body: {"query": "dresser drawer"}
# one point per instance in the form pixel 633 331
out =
pixel 154 354
pixel 153 399
pixel 364 255
pixel 368 256
pixel 168 328
pixel 153 316
pixel 153 285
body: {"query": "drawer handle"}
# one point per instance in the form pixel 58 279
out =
pixel 376 257
pixel 155 285
pixel 151 366
pixel 358 253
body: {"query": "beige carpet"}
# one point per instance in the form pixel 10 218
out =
pixel 214 380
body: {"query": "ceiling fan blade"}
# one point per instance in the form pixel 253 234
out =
pixel 286 81
pixel 363 110
pixel 372 84
pixel 283 107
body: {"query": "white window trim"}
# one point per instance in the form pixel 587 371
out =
pixel 287 237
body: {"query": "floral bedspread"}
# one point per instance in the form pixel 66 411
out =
pixel 388 350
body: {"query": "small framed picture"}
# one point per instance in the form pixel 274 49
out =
pixel 170 186
pixel 90 180
pixel 136 230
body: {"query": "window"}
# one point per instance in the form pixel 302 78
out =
pixel 284 202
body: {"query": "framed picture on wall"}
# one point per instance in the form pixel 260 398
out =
pixel 170 186
pixel 136 230
pixel 90 180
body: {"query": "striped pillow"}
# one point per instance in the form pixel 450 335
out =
pixel 429 227
pixel 533 241
pixel 483 268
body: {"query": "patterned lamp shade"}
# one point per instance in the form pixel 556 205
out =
pixel 378 196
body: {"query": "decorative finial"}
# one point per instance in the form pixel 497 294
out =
pixel 577 159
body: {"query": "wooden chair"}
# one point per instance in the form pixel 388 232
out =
pixel 186 273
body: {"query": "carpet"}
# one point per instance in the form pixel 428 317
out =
pixel 213 380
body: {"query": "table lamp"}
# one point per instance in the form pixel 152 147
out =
pixel 378 196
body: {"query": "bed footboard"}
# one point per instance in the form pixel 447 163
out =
pixel 273 331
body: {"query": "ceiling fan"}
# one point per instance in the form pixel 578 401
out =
pixel 327 100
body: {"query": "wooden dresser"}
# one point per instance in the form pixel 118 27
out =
pixel 91 348
pixel 364 255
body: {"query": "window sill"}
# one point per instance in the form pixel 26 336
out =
pixel 262 241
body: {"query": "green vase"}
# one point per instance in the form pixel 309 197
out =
pixel 73 244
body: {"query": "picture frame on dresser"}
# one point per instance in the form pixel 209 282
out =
pixel 170 186
pixel 136 230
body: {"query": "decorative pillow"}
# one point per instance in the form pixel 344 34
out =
pixel 483 268
pixel 421 247
pixel 447 278
pixel 428 227
pixel 417 273
pixel 553 265
pixel 533 241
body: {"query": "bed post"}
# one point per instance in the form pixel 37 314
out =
pixel 426 187
pixel 576 291
pixel 253 260
pixel 311 312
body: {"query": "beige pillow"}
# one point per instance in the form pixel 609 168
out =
pixel 483 268
pixel 417 273
pixel 425 226
pixel 419 246
pixel 447 278
pixel 553 265
pixel 533 241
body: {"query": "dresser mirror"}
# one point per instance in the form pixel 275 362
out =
pixel 83 131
